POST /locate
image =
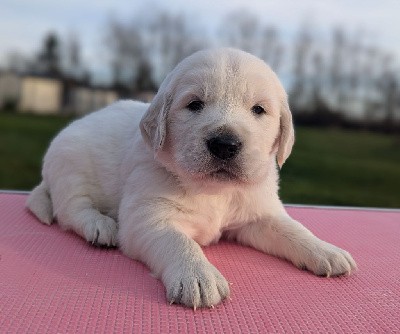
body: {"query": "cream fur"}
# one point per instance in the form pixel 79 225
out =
pixel 140 176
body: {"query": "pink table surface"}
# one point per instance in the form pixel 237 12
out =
pixel 54 282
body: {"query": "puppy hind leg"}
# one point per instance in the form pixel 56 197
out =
pixel 39 203
pixel 80 216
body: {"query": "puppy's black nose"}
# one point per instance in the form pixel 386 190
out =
pixel 224 146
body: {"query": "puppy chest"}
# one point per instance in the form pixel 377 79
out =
pixel 205 223
pixel 204 229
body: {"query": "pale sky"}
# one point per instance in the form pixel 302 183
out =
pixel 23 23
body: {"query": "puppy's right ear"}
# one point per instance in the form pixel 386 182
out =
pixel 153 125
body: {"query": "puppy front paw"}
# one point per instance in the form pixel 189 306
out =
pixel 325 259
pixel 195 285
pixel 101 232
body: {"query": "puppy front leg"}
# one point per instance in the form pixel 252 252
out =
pixel 189 278
pixel 284 237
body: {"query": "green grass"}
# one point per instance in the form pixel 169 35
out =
pixel 23 142
pixel 327 166
pixel 337 167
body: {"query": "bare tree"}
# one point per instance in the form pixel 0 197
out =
pixel 337 75
pixel 148 47
pixel 125 45
pixel 241 29
pixel 144 77
pixel 49 58
pixel 369 70
pixel 354 59
pixel 317 82
pixel 172 40
pixel 301 55
pixel 73 56
pixel 389 86
pixel 271 47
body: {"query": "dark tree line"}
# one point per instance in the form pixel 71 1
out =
pixel 348 76
pixel 57 57
pixel 144 51
pixel 342 77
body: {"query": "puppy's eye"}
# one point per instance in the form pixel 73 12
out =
pixel 258 110
pixel 195 105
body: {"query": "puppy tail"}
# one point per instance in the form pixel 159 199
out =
pixel 39 203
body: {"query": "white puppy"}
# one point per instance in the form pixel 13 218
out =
pixel 197 164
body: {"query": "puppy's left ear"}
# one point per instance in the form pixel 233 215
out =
pixel 286 136
pixel 153 125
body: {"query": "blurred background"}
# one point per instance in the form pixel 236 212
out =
pixel 338 60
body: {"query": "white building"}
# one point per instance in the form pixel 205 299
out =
pixel 44 95
pixel 40 95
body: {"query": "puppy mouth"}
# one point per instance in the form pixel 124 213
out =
pixel 219 173
pixel 223 174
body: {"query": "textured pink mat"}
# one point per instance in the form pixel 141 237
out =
pixel 52 281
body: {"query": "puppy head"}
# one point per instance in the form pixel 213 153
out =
pixel 221 115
